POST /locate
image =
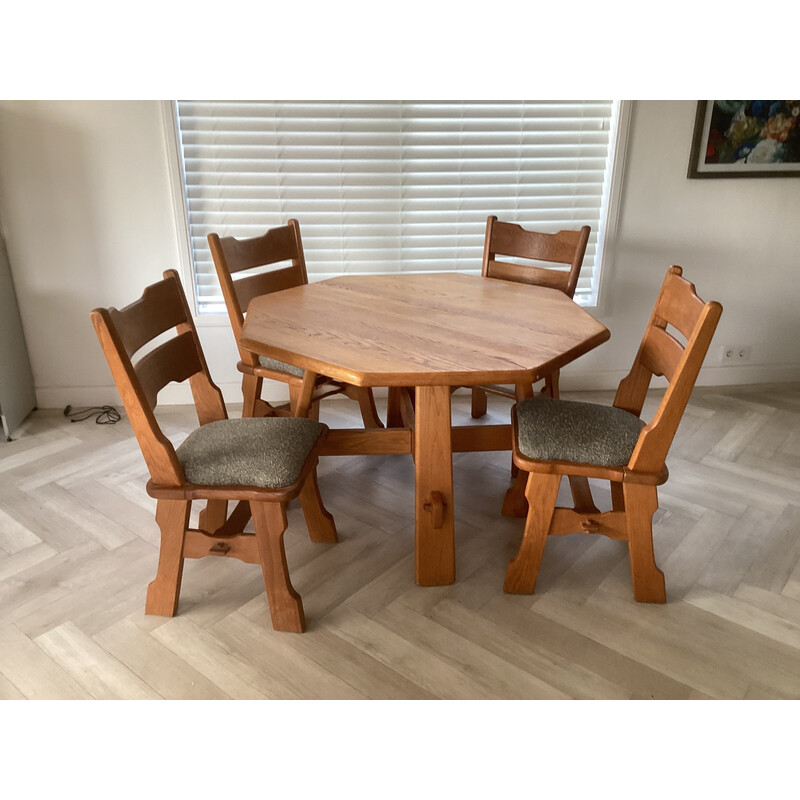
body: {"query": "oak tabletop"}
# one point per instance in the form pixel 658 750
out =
pixel 432 329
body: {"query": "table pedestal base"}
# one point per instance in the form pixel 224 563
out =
pixel 435 558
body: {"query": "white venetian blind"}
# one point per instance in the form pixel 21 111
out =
pixel 392 186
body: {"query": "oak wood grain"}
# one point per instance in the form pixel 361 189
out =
pixel 438 329
pixel 282 246
pixel 633 485
pixel 180 358
pixel 731 628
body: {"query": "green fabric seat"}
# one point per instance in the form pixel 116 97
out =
pixel 280 366
pixel 266 452
pixel 585 433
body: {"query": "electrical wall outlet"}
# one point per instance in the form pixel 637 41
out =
pixel 734 353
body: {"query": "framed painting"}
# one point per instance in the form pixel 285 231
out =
pixel 746 139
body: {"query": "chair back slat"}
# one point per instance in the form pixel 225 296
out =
pixel 265 283
pixel 511 240
pixel 277 244
pixel 125 331
pixel 535 276
pixel 173 361
pixel 156 311
pixel 232 255
pixel 680 306
pixel 660 353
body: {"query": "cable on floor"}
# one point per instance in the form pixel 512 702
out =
pixel 104 415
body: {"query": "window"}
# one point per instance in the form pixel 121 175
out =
pixel 393 186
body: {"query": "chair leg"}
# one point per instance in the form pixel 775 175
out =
pixel 295 399
pixel 514 503
pixel 214 515
pixel 523 569
pixel 172 517
pixel 285 605
pixel 617 496
pixel 295 390
pixel 550 388
pixel 366 402
pixel 479 404
pixel 394 414
pixel 582 499
pixel 641 503
pixel 319 521
pixel 251 393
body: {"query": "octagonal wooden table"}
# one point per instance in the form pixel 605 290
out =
pixel 420 334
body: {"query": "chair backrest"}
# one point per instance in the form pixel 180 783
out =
pixel 123 333
pixel 511 240
pixel 233 255
pixel 662 353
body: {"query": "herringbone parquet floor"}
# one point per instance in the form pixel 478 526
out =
pixel 78 545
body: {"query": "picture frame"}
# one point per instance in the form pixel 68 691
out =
pixel 746 139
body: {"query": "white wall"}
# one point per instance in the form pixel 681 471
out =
pixel 738 240
pixel 87 213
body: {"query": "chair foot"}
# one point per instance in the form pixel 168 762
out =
pixel 479 404
pixel 654 590
pixel 285 604
pixel 523 569
pixel 164 591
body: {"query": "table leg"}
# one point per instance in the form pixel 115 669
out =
pixel 394 416
pixel 435 562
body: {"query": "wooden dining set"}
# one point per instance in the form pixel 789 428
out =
pixel 420 336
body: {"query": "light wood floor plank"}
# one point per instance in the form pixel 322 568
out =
pixel 565 675
pixel 33 672
pixel 229 670
pixel 591 649
pixel 275 655
pixel 168 674
pixel 79 545
pixel 102 675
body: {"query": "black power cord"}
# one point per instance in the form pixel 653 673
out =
pixel 104 415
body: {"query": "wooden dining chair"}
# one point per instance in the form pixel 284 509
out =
pixel 277 246
pixel 536 251
pixel 553 438
pixel 261 463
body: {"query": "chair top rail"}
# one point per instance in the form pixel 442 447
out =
pixel 277 244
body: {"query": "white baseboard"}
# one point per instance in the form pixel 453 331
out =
pixel 179 394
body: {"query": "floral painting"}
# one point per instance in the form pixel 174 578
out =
pixel 741 138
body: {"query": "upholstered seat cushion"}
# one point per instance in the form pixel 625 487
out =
pixel 280 366
pixel 564 430
pixel 266 452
